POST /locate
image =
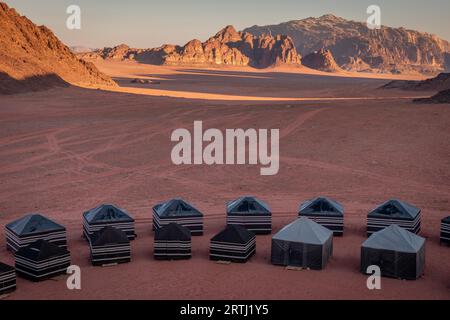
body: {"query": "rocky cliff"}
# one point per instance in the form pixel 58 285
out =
pixel 357 48
pixel 227 47
pixel 32 57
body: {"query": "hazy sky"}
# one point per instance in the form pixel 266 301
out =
pixel 151 23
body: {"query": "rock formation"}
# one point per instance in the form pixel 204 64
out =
pixel 227 47
pixel 32 58
pixel 322 60
pixel 357 48
pixel 439 83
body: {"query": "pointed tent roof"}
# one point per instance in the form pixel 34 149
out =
pixel 234 234
pixel 304 230
pixel 446 220
pixel 396 209
pixel 41 250
pixel 33 223
pixel 5 268
pixel 247 204
pixel 173 231
pixel 395 238
pixel 321 205
pixel 108 235
pixel 107 213
pixel 176 207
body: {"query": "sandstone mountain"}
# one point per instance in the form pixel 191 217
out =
pixel 357 48
pixel 322 60
pixel 439 83
pixel 227 47
pixel 33 58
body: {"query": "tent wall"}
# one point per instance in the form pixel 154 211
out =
pixel 301 254
pixel 393 264
pixel 445 232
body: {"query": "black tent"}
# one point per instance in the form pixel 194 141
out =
pixel 7 279
pixel 172 242
pixel 398 252
pixel 396 212
pixel 109 245
pixel 108 215
pixel 31 228
pixel 302 243
pixel 42 260
pixel 326 212
pixel 235 243
pixel 445 230
pixel 252 213
pixel 178 211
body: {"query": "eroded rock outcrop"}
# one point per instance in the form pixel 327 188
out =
pixel 227 47
pixel 32 58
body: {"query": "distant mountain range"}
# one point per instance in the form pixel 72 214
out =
pixel 357 48
pixel 227 47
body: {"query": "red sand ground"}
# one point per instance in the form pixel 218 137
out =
pixel 67 150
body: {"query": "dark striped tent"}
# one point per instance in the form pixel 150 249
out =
pixel 235 243
pixel 42 260
pixel 178 211
pixel 109 246
pixel 107 215
pixel 31 228
pixel 302 243
pixel 445 231
pixel 7 279
pixel 326 212
pixel 172 242
pixel 252 213
pixel 398 252
pixel 396 212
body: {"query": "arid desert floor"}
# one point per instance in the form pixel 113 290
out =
pixel 66 150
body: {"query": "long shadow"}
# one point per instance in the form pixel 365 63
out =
pixel 9 85
pixel 261 84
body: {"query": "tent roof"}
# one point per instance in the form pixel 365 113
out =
pixel 173 231
pixel 321 205
pixel 5 268
pixel 234 234
pixel 33 223
pixel 247 204
pixel 304 230
pixel 41 250
pixel 446 220
pixel 107 213
pixel 395 238
pixel 176 207
pixel 108 235
pixel 396 209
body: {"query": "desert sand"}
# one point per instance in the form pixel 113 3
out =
pixel 66 150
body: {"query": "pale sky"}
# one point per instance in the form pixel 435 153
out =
pixel 151 23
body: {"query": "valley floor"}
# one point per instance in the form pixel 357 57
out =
pixel 66 150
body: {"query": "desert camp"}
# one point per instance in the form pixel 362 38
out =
pixel 250 212
pixel 326 212
pixel 396 212
pixel 235 243
pixel 398 252
pixel 41 260
pixel 302 243
pixel 107 215
pixel 178 211
pixel 30 228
